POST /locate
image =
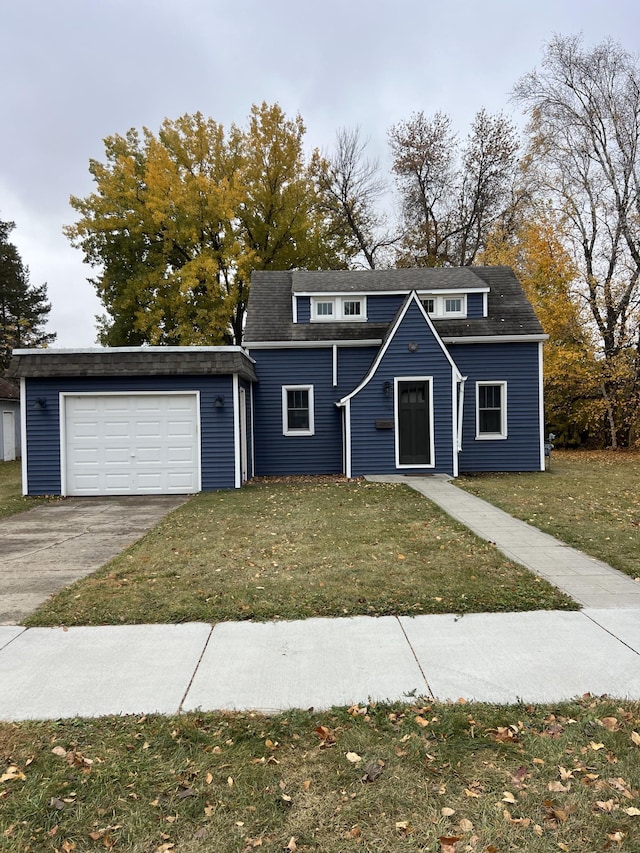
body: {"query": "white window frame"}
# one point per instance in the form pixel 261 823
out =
pixel 286 430
pixel 338 303
pixel 492 436
pixel 440 304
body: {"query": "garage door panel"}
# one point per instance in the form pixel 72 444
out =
pixel 131 444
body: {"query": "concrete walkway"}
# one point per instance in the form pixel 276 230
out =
pixel 48 673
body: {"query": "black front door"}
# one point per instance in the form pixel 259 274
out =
pixel 414 433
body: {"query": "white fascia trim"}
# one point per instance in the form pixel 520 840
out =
pixel 347 438
pixel 541 402
pixel 373 342
pixel 294 308
pixel 236 432
pixel 454 424
pixel 495 339
pixel 485 303
pixel 413 297
pixel 253 440
pixel 103 350
pixel 23 433
pixel 404 292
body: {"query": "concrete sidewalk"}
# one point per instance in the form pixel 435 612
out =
pixel 49 673
pixel 544 656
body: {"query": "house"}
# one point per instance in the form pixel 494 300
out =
pixel 10 424
pixel 395 371
pixel 412 371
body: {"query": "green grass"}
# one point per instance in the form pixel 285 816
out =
pixel 295 549
pixel 378 778
pixel 590 500
pixel 12 501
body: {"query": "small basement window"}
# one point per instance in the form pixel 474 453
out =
pixel 297 410
pixel 491 410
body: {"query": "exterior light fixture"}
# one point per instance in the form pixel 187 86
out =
pixel 40 403
pixel 387 388
pixel 219 401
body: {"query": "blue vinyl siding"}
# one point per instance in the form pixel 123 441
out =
pixel 43 425
pixel 474 304
pixel 320 453
pixel 303 305
pixel 372 449
pixel 382 309
pixel 517 365
pixel 276 454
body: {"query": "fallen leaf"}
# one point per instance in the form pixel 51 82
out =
pixel 306 784
pixel 56 803
pixel 559 787
pixel 230 781
pixel 465 825
pixel 372 771
pixel 616 837
pixel 448 843
pixel 469 793
pixel 632 811
pixel 12 773
pixel 447 812
pixel 291 846
pixel 60 751
pixel 508 797
pixel 635 737
pixel 610 724
pixel 421 721
pixel 596 746
pixel 353 757
pixel 606 805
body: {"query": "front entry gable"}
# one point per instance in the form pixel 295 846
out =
pixel 403 415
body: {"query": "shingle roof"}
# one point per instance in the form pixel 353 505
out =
pixel 133 361
pixel 8 390
pixel 270 313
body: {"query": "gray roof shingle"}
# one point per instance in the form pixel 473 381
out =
pixel 133 361
pixel 270 313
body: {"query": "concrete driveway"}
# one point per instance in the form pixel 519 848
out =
pixel 51 546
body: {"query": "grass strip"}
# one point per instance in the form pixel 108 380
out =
pixel 421 776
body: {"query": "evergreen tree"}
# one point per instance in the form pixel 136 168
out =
pixel 24 308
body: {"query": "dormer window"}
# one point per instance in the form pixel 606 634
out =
pixel 338 308
pixel 325 310
pixel 440 307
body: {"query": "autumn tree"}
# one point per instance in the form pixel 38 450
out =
pixel 351 189
pixel 24 308
pixel 452 195
pixel 584 154
pixel 537 254
pixel 179 220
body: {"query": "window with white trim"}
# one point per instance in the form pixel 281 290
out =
pixel 297 410
pixel 445 306
pixel 491 410
pixel 340 308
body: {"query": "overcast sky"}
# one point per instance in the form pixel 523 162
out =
pixel 76 71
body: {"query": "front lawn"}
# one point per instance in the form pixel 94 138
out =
pixel 588 499
pixel 422 776
pixel 293 549
pixel 12 500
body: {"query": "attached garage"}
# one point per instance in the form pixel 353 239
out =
pixel 135 421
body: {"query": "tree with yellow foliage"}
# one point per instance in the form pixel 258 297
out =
pixel 179 219
pixel 547 274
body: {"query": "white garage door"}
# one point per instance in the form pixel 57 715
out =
pixel 131 444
